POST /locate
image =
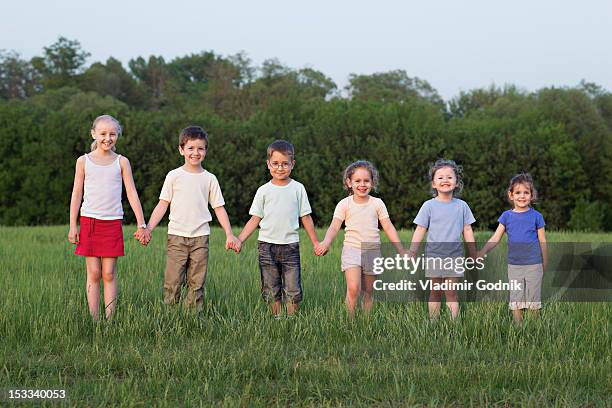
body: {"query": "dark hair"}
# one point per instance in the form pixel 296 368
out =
pixel 193 133
pixel 442 163
pixel 360 164
pixel 523 178
pixel 281 146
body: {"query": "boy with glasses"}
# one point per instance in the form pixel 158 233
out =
pixel 277 208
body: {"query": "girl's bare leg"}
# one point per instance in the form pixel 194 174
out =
pixel 451 299
pixel 94 274
pixel 435 299
pixel 353 288
pixel 367 286
pixel 517 314
pixel 109 272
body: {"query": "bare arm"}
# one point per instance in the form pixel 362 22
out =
pixel 249 227
pixel 468 237
pixel 158 214
pixel 142 234
pixel 130 190
pixel 392 234
pixel 543 248
pixel 223 218
pixel 417 237
pixel 493 241
pixel 331 233
pixel 75 200
pixel 310 229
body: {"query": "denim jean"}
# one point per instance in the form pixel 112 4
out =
pixel 279 266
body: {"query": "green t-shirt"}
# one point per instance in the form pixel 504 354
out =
pixel 280 208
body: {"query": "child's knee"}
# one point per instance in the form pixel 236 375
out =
pixel 108 275
pixel 451 296
pixel 94 274
pixel 353 290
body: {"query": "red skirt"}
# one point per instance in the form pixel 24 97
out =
pixel 102 238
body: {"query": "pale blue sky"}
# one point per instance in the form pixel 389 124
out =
pixel 455 45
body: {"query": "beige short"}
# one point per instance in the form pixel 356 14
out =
pixel 359 258
pixel 186 263
pixel 529 278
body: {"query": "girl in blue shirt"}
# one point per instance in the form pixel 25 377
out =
pixel 527 252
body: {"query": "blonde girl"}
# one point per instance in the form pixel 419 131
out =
pixel 98 181
pixel 361 214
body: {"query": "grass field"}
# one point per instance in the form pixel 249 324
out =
pixel 235 353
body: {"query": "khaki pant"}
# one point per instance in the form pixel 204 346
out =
pixel 187 263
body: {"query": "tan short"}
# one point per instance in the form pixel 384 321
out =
pixel 529 278
pixel 186 263
pixel 359 258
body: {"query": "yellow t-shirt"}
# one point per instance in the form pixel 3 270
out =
pixel 361 220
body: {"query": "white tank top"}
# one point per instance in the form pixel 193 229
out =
pixel 103 186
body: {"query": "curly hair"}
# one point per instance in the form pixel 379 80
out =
pixel 442 163
pixel 360 164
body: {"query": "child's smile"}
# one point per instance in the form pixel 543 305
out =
pixel 194 152
pixel 520 197
pixel 360 183
pixel 280 166
pixel 444 181
pixel 105 134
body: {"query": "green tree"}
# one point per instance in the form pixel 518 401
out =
pixel 60 64
pixel 391 86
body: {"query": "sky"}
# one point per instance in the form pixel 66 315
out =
pixel 453 44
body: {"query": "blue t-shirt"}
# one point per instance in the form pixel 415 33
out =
pixel 522 229
pixel 444 221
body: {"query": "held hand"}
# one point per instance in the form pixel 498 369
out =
pixel 143 235
pixel 321 248
pixel 73 235
pixel 480 254
pixel 137 234
pixel 146 237
pixel 231 242
pixel 236 245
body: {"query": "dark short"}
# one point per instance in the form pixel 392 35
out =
pixel 279 266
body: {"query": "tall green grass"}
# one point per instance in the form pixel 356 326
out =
pixel 235 353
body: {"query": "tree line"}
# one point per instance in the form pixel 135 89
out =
pixel 562 136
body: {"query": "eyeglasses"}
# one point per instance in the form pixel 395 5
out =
pixel 277 166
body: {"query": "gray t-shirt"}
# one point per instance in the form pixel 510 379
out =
pixel 444 221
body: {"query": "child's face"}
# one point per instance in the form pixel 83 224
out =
pixel 520 196
pixel 360 182
pixel 280 166
pixel 105 133
pixel 444 180
pixel 194 152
